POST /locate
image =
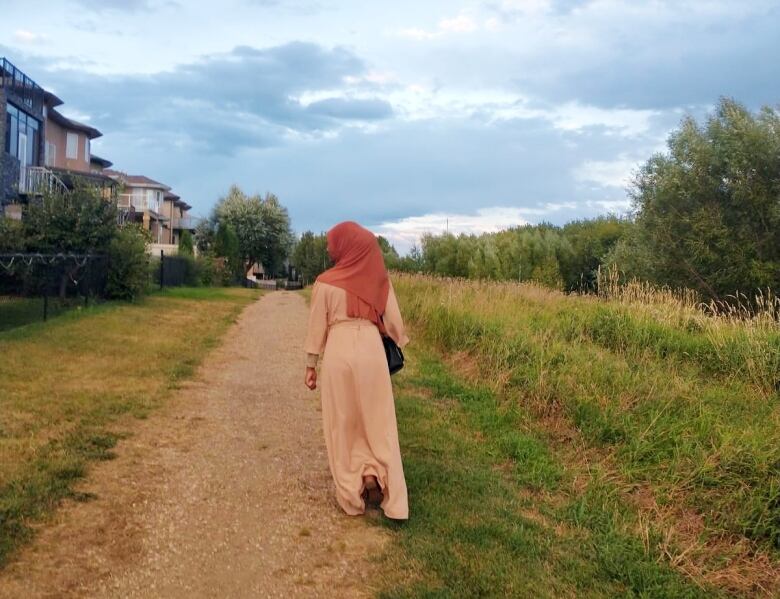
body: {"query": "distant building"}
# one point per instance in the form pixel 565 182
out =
pixel 153 205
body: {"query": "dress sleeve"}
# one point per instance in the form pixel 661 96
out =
pixel 394 324
pixel 318 324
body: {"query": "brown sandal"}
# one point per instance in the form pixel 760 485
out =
pixel 372 492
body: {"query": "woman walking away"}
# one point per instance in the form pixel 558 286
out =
pixel 350 305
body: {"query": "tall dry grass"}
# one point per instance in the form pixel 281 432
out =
pixel 682 395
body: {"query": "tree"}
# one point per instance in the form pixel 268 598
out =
pixel 185 244
pixel 11 235
pixel 128 274
pixel 708 210
pixel 262 226
pixel 591 242
pixel 389 253
pixel 279 238
pixel 204 235
pixel 310 256
pixel 79 222
pixel 226 246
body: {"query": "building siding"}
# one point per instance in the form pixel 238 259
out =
pixel 57 135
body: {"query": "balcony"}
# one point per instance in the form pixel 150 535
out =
pixel 20 87
pixel 188 223
pixel 140 204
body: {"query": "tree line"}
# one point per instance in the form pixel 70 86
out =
pixel 705 215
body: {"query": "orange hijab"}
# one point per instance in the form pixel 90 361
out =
pixel 359 270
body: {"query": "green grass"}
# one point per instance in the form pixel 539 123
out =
pixel 492 510
pixel 17 312
pixel 675 417
pixel 65 384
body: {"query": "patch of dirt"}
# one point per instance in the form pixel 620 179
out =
pixel 223 492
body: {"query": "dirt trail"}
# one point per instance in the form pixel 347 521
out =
pixel 223 493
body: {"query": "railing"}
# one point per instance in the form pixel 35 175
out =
pixel 17 83
pixel 125 215
pixel 139 203
pixel 186 222
pixel 38 180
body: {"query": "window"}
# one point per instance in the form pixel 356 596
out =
pixel 86 149
pixel 20 124
pixel 72 146
pixel 152 199
pixel 51 154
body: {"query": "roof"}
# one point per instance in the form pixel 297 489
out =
pixel 95 159
pixel 64 121
pixel 177 201
pixel 135 180
pixel 51 99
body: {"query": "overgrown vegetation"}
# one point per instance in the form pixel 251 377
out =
pixel 663 417
pixel 78 222
pixel 705 217
pixel 494 512
pixel 128 276
pixel 65 384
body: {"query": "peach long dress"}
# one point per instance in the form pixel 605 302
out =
pixel 358 409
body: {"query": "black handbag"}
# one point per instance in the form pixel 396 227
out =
pixel 395 357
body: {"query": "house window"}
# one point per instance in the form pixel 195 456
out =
pixel 72 146
pixel 86 150
pixel 153 200
pixel 19 123
pixel 51 154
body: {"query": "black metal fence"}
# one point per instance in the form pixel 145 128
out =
pixel 36 286
pixel 173 271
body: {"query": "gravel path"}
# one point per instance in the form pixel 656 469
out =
pixel 224 493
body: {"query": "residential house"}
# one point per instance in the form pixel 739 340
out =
pixel 22 120
pixel 68 149
pixel 98 165
pixel 153 205
pixel 42 149
pixel 179 219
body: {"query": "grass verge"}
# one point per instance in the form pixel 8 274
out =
pixel 664 412
pixel 494 511
pixel 65 382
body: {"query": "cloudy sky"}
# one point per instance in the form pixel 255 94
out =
pixel 402 115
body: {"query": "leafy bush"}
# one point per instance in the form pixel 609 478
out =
pixel 11 235
pixel 186 244
pixel 129 265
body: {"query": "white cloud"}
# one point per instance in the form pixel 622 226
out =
pixel 419 34
pixel 607 173
pixel 406 232
pixel 621 206
pixel 459 24
pixel 24 36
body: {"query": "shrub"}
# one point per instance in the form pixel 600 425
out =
pixel 11 235
pixel 128 272
pixel 186 244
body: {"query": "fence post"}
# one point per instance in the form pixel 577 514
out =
pixel 162 267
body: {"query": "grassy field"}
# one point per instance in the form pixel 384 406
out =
pixel 582 446
pixel 64 384
pixel 17 312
